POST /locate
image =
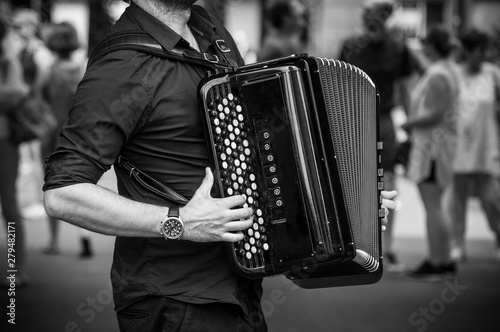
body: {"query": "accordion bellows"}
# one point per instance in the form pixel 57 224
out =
pixel 298 138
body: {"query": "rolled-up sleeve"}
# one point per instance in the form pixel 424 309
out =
pixel 111 102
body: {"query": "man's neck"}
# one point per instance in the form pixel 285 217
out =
pixel 175 19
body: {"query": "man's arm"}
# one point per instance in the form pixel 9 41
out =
pixel 206 219
pixel 95 208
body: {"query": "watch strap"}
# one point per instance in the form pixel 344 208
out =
pixel 173 212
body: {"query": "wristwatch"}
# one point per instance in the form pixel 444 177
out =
pixel 172 226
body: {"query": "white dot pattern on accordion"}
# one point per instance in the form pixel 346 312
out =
pixel 236 155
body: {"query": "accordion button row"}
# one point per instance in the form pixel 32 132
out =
pixel 236 159
pixel 270 168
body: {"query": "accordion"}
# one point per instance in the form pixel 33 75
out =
pixel 298 138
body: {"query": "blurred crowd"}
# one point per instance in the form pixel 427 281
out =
pixel 450 96
pixel 35 60
pixel 448 91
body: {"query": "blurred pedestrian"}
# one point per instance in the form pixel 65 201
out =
pixel 388 62
pixel 35 56
pixel 287 20
pixel 433 137
pixel 13 91
pixel 58 89
pixel 36 60
pixel 477 164
pixel 247 53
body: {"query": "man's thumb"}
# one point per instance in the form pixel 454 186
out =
pixel 207 183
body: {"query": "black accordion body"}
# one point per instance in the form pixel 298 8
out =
pixel 298 138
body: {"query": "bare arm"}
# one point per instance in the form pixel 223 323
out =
pixel 437 101
pixel 92 207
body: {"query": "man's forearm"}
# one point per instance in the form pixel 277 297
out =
pixel 100 210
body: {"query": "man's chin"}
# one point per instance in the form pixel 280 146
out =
pixel 177 4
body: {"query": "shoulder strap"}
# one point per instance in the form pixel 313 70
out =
pixel 219 43
pixel 141 41
pixel 150 183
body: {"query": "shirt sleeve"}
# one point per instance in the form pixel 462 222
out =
pixel 110 103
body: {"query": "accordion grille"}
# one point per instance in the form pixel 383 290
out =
pixel 351 102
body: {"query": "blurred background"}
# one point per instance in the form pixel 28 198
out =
pixel 329 22
pixel 71 294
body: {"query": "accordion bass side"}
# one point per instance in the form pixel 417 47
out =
pixel 298 138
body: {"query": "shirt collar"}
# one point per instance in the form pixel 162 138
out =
pixel 167 37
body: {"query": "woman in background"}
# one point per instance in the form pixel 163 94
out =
pixel 13 91
pixel 433 136
pixel 477 164
pixel 58 89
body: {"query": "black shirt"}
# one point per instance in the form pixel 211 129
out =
pixel 145 108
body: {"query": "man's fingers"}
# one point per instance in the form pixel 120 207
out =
pixel 242 213
pixel 234 201
pixel 238 225
pixel 389 204
pixel 235 230
pixel 389 194
pixel 232 237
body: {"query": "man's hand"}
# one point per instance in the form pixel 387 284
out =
pixel 208 219
pixel 388 204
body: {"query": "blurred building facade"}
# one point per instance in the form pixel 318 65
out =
pixel 330 21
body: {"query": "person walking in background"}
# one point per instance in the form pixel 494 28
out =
pixel 388 62
pixel 36 60
pixel 13 91
pixel 35 57
pixel 287 19
pixel 433 137
pixel 58 89
pixel 477 163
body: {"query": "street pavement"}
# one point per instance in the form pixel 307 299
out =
pixel 67 293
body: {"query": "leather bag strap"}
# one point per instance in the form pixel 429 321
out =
pixel 150 183
pixel 141 41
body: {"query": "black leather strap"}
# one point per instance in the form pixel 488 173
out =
pixel 141 41
pixel 173 212
pixel 150 183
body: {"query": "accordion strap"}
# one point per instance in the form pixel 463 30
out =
pixel 141 41
pixel 150 183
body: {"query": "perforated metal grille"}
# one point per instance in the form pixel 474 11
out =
pixel 350 98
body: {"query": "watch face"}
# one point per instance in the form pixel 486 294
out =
pixel 173 228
